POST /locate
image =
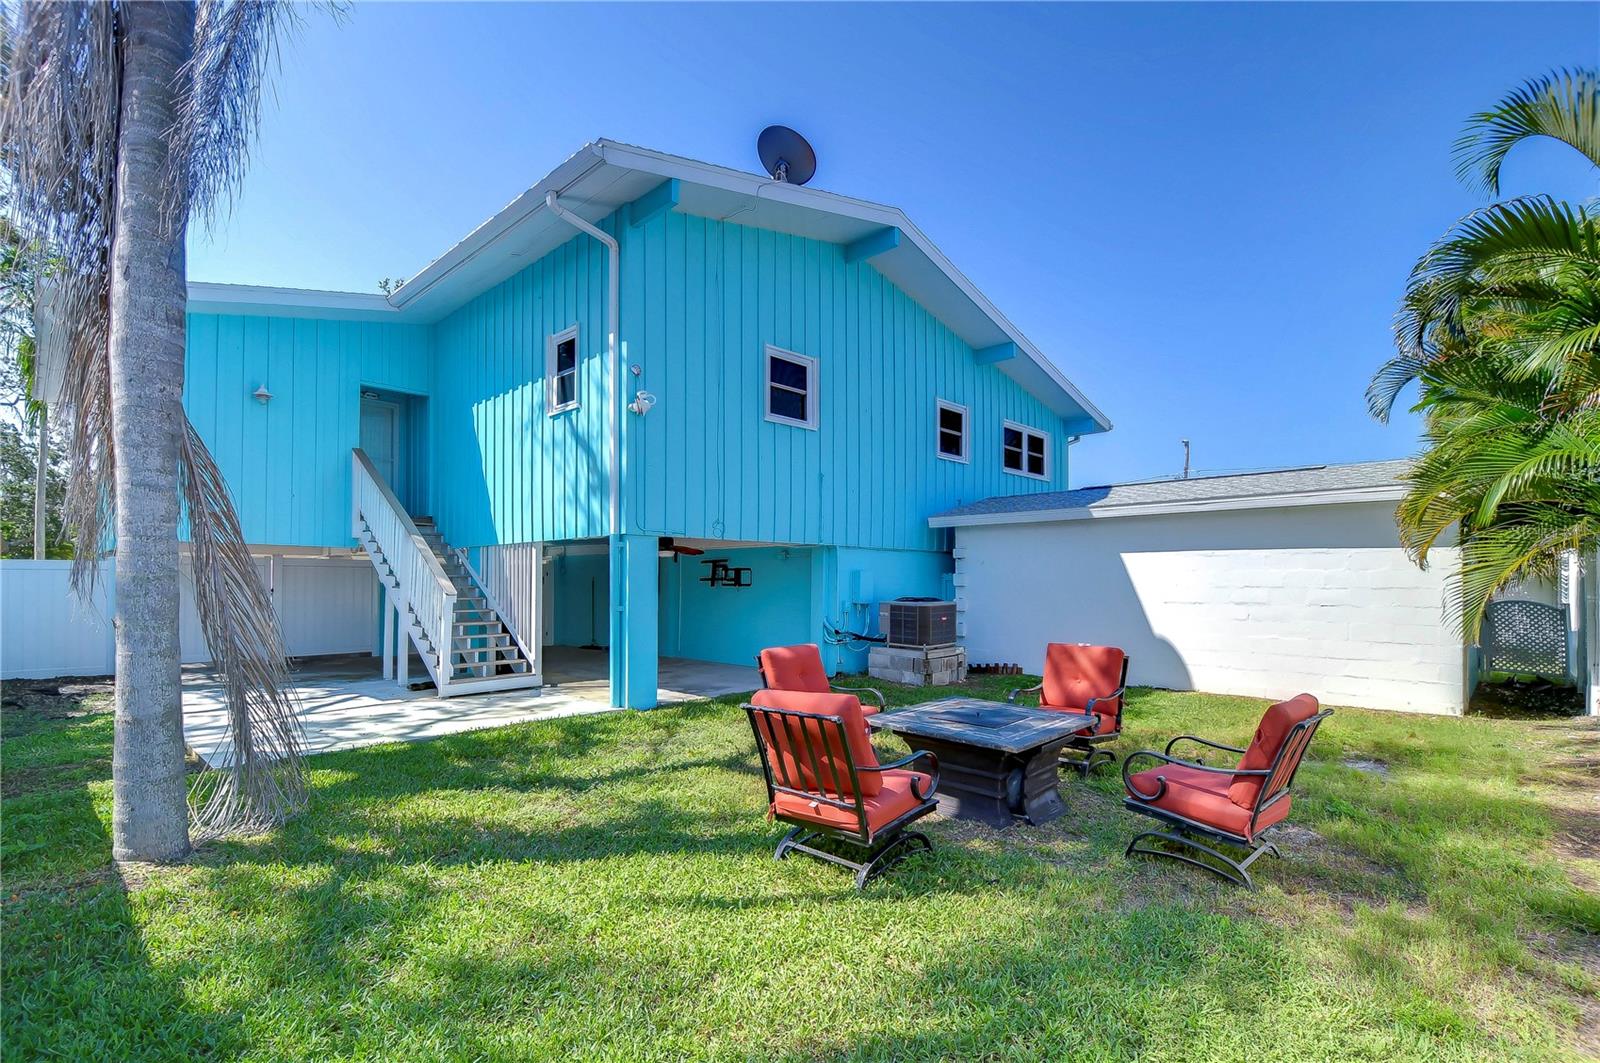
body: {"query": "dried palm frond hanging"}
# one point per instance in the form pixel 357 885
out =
pixel 255 778
pixel 59 125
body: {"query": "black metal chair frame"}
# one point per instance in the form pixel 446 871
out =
pixel 877 695
pixel 884 846
pixel 1086 744
pixel 1194 835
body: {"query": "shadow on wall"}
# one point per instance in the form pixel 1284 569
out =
pixel 1237 602
pixel 1104 609
pixel 507 472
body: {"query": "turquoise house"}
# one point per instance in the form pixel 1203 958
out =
pixel 797 382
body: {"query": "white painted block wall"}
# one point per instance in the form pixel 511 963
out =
pixel 1265 603
pixel 325 605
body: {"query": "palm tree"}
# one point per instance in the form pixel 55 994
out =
pixel 1500 325
pixel 121 121
pixel 18 264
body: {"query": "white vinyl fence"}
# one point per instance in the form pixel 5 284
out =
pixel 326 605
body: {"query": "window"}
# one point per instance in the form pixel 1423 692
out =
pixel 561 370
pixel 952 430
pixel 791 388
pixel 1024 451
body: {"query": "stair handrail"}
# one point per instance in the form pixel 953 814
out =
pixel 423 583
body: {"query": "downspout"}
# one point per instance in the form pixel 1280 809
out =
pixel 614 371
pixel 613 392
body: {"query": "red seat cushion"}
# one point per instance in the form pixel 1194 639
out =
pixel 787 741
pixel 1105 723
pixel 892 801
pixel 1263 749
pixel 794 668
pixel 1203 797
pixel 1075 675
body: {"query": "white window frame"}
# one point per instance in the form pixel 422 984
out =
pixel 811 393
pixel 940 405
pixel 1026 431
pixel 555 341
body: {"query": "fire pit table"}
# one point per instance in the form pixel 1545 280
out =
pixel 996 761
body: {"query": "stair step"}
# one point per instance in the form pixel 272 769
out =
pixel 493 653
pixel 489 671
pixel 482 640
pixel 481 650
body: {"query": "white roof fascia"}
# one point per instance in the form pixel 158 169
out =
pixel 1386 493
pixel 210 298
pixel 529 203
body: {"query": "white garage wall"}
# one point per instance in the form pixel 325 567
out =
pixel 325 605
pixel 1265 602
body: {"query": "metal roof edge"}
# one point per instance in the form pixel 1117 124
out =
pixel 1298 499
pixel 210 297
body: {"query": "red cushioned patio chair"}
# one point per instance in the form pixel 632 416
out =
pixel 800 668
pixel 1086 680
pixel 824 778
pixel 1233 806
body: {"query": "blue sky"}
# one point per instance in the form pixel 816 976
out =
pixel 1203 213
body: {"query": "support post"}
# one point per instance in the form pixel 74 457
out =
pixel 635 635
pixel 402 662
pixel 387 633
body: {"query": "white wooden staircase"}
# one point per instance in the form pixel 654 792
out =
pixel 435 598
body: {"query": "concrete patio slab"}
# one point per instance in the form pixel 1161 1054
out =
pixel 346 703
pixel 585 672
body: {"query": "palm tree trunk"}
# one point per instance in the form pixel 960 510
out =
pixel 150 819
pixel 41 477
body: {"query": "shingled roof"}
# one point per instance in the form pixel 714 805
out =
pixel 1307 485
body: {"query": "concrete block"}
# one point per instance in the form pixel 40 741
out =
pixel 936 666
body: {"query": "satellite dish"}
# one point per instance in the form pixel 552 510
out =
pixel 786 155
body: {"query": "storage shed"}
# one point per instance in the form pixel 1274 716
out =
pixel 1263 584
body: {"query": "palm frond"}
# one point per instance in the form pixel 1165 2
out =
pixel 58 125
pixel 258 782
pixel 1495 558
pixel 1564 105
pixel 1522 277
pixel 219 113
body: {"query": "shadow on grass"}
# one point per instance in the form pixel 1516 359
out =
pixel 79 983
pixel 604 886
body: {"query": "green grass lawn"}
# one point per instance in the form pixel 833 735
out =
pixel 603 887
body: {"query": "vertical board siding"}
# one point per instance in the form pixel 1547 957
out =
pixel 703 298
pixel 505 470
pixel 287 463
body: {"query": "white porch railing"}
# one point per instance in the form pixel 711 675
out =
pixel 509 577
pixel 423 594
